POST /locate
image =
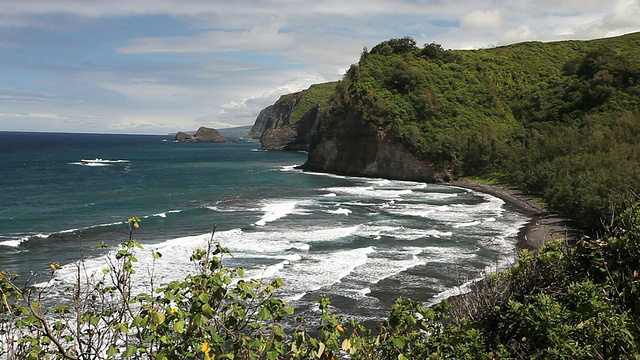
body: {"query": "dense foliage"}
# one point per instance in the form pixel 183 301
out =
pixel 555 119
pixel 316 95
pixel 580 302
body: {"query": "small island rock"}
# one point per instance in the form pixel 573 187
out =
pixel 204 134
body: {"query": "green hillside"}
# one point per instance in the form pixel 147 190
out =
pixel 311 97
pixel 560 119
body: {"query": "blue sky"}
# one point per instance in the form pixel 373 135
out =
pixel 159 66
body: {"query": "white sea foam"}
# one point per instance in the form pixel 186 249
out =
pixel 385 264
pixel 276 210
pixel 467 224
pixel 401 232
pixel 12 243
pixel 89 164
pixel 104 161
pixel 319 254
pixel 22 238
pixel 290 168
pixel 321 270
pixel 369 192
pixel 340 211
pixel 164 214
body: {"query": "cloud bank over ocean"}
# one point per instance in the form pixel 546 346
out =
pixel 157 66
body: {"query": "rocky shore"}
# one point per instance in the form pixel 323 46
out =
pixel 543 227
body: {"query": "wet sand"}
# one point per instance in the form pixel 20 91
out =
pixel 544 226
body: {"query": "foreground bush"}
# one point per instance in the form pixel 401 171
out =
pixel 215 314
pixel 580 302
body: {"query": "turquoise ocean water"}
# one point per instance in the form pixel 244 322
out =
pixel 362 242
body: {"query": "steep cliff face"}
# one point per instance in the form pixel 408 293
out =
pixel 292 136
pixel 274 128
pixel 355 148
pixel 289 124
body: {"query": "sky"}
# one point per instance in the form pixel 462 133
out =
pixel 161 66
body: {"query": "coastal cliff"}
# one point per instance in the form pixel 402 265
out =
pixel 561 120
pixel 290 123
pixel 355 148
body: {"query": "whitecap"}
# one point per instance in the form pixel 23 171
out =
pixel 12 243
pixel 340 211
pixel 103 161
pixel 89 164
pixel 317 271
pixel 290 168
pixel 467 224
pixel 276 210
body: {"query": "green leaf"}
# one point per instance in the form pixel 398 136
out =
pixel 112 350
pixel 399 343
pixel 204 298
pixel 179 327
pixel 129 352
pixel 158 317
pixel 402 357
pixel 136 321
pixel 264 314
pixel 207 310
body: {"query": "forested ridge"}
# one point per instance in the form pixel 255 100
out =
pixel 558 120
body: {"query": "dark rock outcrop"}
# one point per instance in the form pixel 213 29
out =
pixel 290 123
pixel 352 147
pixel 203 134
pixel 293 136
pixel 348 146
pixel 274 127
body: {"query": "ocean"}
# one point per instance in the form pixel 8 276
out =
pixel 362 242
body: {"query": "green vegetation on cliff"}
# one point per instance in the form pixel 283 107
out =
pixel 560 120
pixel 315 95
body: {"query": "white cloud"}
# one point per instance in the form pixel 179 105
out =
pixel 48 116
pixel 174 65
pixel 518 34
pixel 259 38
pixel 480 19
pixel 625 15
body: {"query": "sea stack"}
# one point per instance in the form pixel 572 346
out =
pixel 204 134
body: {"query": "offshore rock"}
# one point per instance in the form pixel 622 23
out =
pixel 204 134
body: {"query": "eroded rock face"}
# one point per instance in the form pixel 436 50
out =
pixel 351 147
pixel 204 134
pixel 290 123
pixel 348 146
pixel 292 136
pixel 274 129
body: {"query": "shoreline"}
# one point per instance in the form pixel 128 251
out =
pixel 543 226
